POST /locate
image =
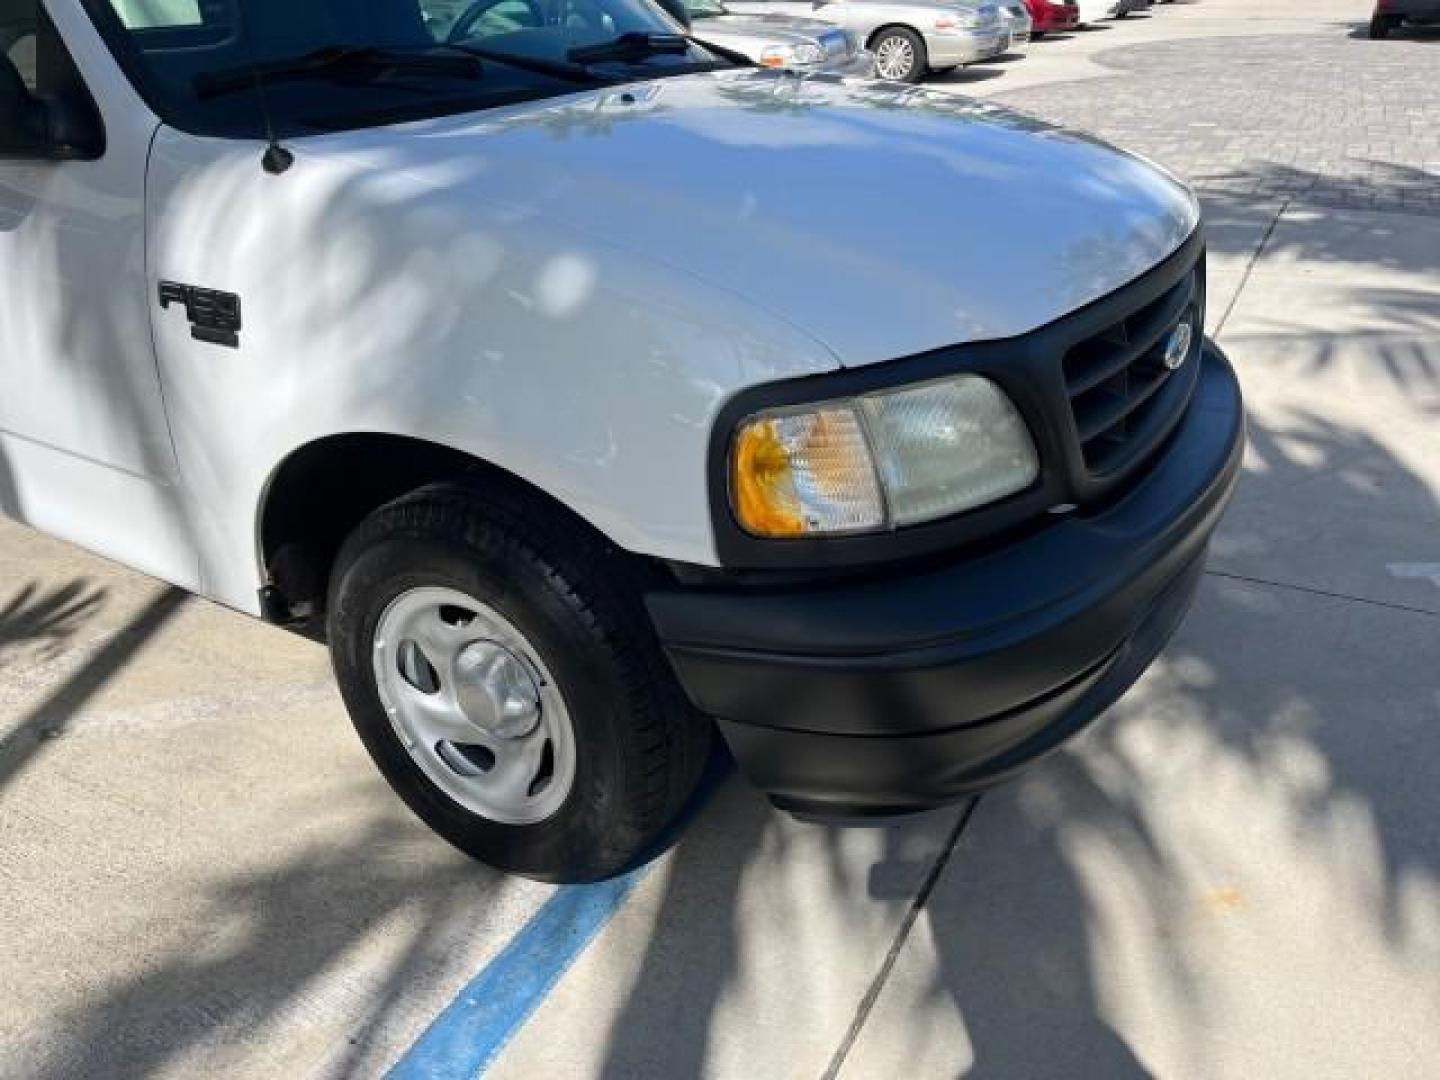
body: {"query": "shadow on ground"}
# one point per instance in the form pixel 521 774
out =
pixel 1358 183
pixel 272 936
pixel 48 618
pixel 52 619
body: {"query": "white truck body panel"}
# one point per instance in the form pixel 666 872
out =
pixel 569 290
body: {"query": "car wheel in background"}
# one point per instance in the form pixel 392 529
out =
pixel 899 55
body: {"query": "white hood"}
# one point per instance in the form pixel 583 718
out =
pixel 881 220
pixel 572 290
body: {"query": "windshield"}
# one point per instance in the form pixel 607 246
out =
pixel 328 65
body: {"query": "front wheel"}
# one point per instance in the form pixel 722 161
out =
pixel 505 680
pixel 899 55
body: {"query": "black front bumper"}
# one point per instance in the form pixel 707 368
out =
pixel 898 693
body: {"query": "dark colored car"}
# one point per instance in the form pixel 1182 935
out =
pixel 1393 14
pixel 1049 16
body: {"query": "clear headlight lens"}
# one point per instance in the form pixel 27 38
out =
pixel 948 446
pixel 883 460
pixel 783 55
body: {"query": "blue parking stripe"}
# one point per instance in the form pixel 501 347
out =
pixel 465 1038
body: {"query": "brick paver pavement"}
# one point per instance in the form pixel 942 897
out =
pixel 1324 119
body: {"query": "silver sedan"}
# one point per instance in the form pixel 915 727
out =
pixel 777 40
pixel 908 37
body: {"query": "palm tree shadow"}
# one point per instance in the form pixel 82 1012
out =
pixel 301 919
pixel 1085 890
pixel 678 998
pixel 33 616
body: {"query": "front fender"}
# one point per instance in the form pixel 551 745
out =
pixel 389 301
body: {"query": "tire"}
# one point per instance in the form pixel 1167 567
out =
pixel 625 749
pixel 1380 27
pixel 910 60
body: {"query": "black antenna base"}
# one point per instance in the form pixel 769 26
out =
pixel 277 159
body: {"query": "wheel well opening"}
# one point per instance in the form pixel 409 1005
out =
pixel 323 490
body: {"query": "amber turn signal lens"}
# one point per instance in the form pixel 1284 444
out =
pixel 792 474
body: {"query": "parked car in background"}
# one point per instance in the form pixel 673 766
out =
pixel 776 40
pixel 1049 16
pixel 1393 14
pixel 768 40
pixel 1093 11
pixel 910 38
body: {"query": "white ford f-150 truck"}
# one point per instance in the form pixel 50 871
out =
pixel 590 391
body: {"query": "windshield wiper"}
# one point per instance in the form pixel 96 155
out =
pixel 365 62
pixel 636 45
pixel 577 68
pixel 576 73
pixel 739 59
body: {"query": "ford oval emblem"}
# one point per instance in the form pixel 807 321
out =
pixel 1177 347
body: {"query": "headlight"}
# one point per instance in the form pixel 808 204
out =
pixel 953 20
pixel 888 459
pixel 784 55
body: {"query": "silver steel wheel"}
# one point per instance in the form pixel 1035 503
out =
pixel 474 705
pixel 895 58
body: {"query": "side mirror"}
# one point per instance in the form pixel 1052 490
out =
pixel 33 127
pixel 677 10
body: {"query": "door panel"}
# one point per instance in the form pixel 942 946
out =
pixel 75 349
pixel 78 378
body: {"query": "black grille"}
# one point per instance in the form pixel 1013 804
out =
pixel 1122 395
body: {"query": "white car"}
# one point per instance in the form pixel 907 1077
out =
pixel 1093 11
pixel 590 393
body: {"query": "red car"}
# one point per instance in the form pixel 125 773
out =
pixel 1050 15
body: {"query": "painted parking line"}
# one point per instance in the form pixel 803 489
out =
pixel 466 1038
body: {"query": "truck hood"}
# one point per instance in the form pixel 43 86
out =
pixel 880 220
